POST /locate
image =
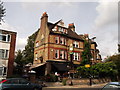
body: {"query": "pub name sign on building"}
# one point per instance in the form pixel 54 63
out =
pixel 54 45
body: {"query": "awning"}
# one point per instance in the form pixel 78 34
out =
pixel 37 65
pixel 60 67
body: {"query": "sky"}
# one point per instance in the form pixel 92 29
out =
pixel 97 18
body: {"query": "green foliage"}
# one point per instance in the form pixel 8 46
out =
pixel 28 53
pixel 83 71
pixel 86 54
pixel 2 11
pixel 101 70
pixel 51 78
pixel 115 59
pixel 64 81
pixel 26 56
pixel 18 58
pixel 119 48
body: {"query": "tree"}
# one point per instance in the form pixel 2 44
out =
pixel 2 11
pixel 119 48
pixel 18 58
pixel 116 60
pixel 26 56
pixel 101 70
pixel 86 54
pixel 28 53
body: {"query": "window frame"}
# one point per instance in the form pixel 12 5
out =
pixel 7 37
pixel 76 56
pixel 56 54
pixel 4 53
pixel 76 44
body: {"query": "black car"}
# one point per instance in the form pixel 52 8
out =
pixel 18 84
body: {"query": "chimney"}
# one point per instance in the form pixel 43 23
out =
pixel 44 20
pixel 72 27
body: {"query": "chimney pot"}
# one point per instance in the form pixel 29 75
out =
pixel 44 14
pixel 72 26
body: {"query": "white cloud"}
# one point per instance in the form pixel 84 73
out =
pixel 106 27
pixel 108 14
pixel 21 42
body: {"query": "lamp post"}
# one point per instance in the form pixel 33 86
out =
pixel 88 55
pixel 90 78
pixel 71 56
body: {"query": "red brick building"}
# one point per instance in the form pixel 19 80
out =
pixel 54 45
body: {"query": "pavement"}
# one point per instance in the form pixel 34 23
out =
pixel 75 87
pixel 79 86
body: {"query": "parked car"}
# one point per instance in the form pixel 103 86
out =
pixel 18 84
pixel 112 86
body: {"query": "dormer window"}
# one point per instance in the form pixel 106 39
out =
pixel 60 29
pixel 54 29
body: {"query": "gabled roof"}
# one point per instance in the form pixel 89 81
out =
pixel 71 34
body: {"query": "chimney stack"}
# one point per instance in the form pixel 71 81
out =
pixel 72 27
pixel 44 20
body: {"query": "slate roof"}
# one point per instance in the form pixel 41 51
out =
pixel 71 34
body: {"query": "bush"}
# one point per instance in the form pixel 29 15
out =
pixel 51 78
pixel 64 81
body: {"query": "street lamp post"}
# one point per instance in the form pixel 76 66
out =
pixel 90 78
pixel 89 41
pixel 71 57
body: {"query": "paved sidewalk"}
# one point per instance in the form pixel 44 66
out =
pixel 78 86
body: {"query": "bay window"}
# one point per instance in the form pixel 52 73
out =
pixel 56 54
pixel 76 56
pixel 60 54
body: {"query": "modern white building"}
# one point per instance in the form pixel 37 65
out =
pixel 7 48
